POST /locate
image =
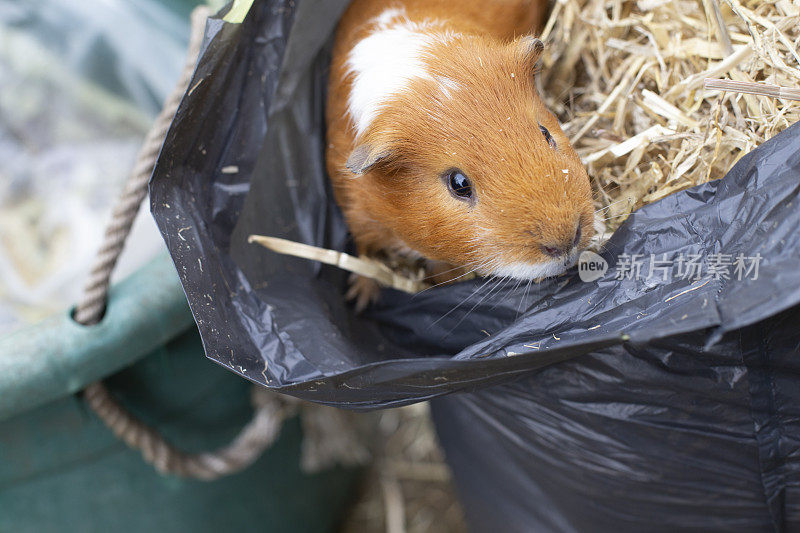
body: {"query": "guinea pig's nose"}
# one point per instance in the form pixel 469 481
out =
pixel 553 251
pixel 562 248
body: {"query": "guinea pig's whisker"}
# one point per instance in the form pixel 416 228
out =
pixel 453 279
pixel 519 282
pixel 513 290
pixel 598 211
pixel 492 280
pixel 524 297
pixel 465 300
pixel 615 216
pixel 470 264
pixel 479 302
pixel 502 282
pixel 490 262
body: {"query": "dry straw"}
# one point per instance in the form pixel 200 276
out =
pixel 746 87
pixel 628 81
pixel 359 265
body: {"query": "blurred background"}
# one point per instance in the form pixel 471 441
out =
pixel 80 83
pixel 80 86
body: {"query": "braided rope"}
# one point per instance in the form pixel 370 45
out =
pixel 270 410
pixel 92 303
pixel 245 448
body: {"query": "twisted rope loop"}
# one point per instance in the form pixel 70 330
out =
pixel 270 410
pixel 246 447
pixel 93 299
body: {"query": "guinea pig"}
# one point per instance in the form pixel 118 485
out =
pixel 439 146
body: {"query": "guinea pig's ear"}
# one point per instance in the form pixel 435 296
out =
pixel 532 48
pixel 364 157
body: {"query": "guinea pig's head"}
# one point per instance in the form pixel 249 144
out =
pixel 465 164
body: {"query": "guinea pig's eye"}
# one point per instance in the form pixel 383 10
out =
pixel 459 185
pixel 547 136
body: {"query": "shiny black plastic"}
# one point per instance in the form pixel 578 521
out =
pixel 624 404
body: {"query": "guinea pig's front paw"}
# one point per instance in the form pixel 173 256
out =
pixel 363 291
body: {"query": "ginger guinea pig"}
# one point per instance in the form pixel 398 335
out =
pixel 439 146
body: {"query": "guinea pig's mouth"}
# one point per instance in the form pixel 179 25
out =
pixel 534 270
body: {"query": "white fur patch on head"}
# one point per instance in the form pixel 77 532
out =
pixel 383 63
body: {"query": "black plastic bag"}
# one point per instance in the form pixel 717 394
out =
pixel 658 436
pixel 244 155
pixel 679 411
pixel 698 430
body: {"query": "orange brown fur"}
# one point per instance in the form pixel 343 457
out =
pixel 528 195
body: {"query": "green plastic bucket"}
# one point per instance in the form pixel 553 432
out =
pixel 62 470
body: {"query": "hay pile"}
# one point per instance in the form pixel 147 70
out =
pixel 626 78
pixel 409 488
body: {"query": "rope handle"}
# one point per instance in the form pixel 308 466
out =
pixel 270 409
pixel 95 292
